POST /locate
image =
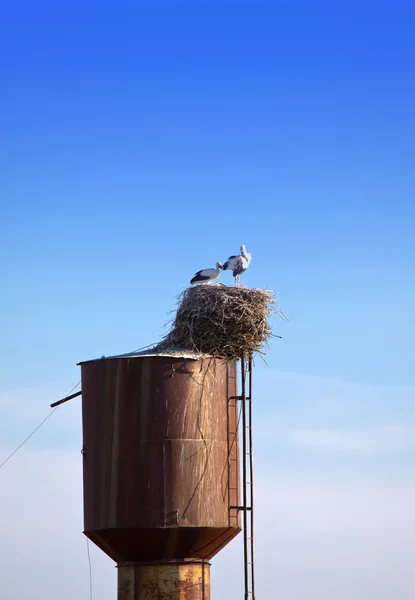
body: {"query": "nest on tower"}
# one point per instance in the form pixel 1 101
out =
pixel 222 321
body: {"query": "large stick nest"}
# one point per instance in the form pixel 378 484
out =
pixel 224 322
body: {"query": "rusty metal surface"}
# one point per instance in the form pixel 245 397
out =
pixel 160 468
pixel 142 353
pixel 171 581
pixel 138 544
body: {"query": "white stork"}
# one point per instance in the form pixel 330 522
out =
pixel 207 275
pixel 238 264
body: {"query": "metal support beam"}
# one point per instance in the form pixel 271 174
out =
pixel 66 399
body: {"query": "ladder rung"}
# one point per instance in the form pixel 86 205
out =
pixel 244 431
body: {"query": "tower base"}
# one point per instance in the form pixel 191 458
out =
pixel 172 580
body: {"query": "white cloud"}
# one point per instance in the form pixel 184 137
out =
pixel 322 535
pixel 343 530
pixel 41 519
pixel 329 537
pixel 337 417
pixel 373 441
pixel 22 410
pixel 313 396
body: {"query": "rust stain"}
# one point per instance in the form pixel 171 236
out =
pixel 157 446
pixel 170 581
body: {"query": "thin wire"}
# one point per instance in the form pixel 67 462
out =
pixel 28 437
pixel 34 431
pixel 90 569
pixel 22 444
pixel 136 351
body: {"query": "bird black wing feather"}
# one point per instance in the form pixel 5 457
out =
pixel 199 277
pixel 226 265
pixel 239 268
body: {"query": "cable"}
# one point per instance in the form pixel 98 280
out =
pixel 51 413
pixel 28 438
pixel 34 431
pixel 90 569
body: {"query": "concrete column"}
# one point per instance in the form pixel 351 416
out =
pixel 172 580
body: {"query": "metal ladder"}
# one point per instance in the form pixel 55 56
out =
pixel 247 506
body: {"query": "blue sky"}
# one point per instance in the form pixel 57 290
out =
pixel 142 141
pixel 141 144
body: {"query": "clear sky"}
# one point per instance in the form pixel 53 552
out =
pixel 143 141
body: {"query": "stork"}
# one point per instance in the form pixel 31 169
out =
pixel 207 275
pixel 238 264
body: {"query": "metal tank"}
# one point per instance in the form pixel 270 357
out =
pixel 160 468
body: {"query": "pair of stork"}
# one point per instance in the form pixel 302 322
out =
pixel 237 264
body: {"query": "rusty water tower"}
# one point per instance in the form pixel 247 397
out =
pixel 161 469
